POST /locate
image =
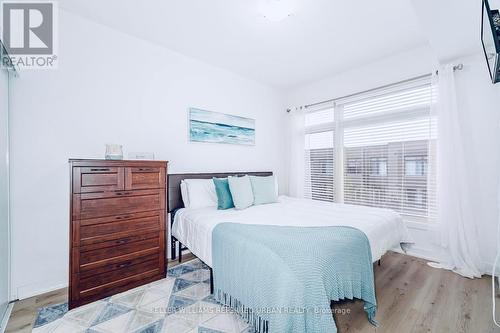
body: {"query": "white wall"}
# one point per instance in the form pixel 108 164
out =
pixel 479 102
pixel 113 88
pixel 393 69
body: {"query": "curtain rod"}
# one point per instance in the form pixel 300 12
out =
pixel 458 67
pixel 455 68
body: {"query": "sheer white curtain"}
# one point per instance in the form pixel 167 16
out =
pixel 457 226
pixel 296 153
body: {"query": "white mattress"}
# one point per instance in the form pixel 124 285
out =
pixel 383 227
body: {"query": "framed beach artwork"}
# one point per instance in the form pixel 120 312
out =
pixel 216 127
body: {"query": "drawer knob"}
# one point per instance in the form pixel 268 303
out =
pixel 99 169
pixel 123 193
pixel 125 264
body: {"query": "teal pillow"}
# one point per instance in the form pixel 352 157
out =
pixel 241 191
pixel 264 189
pixel 224 197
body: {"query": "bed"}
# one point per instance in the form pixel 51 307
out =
pixel 193 227
pixel 291 257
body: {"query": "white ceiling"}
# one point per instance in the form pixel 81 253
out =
pixel 323 37
pixel 453 27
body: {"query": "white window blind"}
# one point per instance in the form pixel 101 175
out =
pixel 320 166
pixel 376 149
pixel 319 153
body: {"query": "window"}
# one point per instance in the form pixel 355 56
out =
pixel 354 166
pixel 320 153
pixel 415 166
pixel 320 166
pixel 321 117
pixel 375 149
pixel 378 166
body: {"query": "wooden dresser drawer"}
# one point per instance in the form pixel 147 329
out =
pixel 81 296
pixel 120 239
pixel 109 228
pixel 111 263
pixel 144 178
pixel 93 205
pixel 118 263
pixel 98 179
pixel 107 250
pixel 124 270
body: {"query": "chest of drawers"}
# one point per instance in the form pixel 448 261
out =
pixel 117 227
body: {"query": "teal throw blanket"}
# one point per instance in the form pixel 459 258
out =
pixel 282 279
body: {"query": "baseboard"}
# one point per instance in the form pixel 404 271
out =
pixel 419 252
pixel 6 316
pixel 31 291
pixel 486 267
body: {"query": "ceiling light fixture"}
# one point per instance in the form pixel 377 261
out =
pixel 277 10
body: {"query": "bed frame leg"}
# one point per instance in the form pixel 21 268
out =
pixel 379 262
pixel 172 248
pixel 211 281
pixel 173 240
pixel 180 251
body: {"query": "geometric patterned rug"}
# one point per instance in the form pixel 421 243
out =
pixel 180 303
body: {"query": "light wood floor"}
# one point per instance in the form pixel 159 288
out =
pixel 414 297
pixel 411 296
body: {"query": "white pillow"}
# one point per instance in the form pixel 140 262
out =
pixel 184 194
pixel 201 193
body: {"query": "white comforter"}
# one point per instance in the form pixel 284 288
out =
pixel 383 227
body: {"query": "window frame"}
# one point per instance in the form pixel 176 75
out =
pixel 339 125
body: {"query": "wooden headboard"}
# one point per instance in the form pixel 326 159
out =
pixel 174 184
